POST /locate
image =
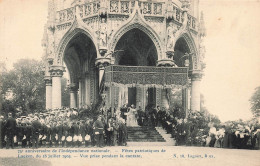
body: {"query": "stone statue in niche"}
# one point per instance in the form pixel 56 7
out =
pixel 158 9
pixel 171 31
pixel 103 33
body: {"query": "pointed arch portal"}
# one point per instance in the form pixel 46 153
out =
pixel 136 49
pixel 79 56
pixel 136 78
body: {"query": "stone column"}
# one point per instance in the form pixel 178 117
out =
pixel 159 97
pixel 56 73
pixel 126 95
pixel 145 97
pixel 73 95
pixel 120 103
pixel 189 98
pixel 87 89
pixel 80 93
pixel 195 91
pixel 139 99
pixel 166 61
pixel 112 95
pixel 48 84
pixel 83 92
pixel 165 102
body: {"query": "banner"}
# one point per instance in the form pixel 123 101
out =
pixel 135 76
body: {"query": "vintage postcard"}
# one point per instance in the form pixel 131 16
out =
pixel 129 82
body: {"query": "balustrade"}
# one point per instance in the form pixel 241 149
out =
pixel 125 7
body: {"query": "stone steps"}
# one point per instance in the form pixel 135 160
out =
pixel 143 134
pixel 167 137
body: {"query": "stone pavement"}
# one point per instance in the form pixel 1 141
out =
pixel 131 155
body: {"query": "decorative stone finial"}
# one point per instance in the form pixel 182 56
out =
pixel 202 29
pixel 185 5
pixel 51 14
pixel 103 8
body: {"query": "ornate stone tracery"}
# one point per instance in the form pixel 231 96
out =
pixel 104 23
pixel 125 29
pixel 68 36
pixel 48 81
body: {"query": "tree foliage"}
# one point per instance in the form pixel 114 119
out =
pixel 255 102
pixel 23 87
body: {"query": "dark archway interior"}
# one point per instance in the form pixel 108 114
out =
pixel 128 60
pixel 79 56
pixel 181 47
pixel 136 49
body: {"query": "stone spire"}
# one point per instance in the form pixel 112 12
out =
pixel 202 29
pixel 185 5
pixel 51 14
pixel 45 37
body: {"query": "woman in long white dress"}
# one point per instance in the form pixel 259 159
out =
pixel 131 117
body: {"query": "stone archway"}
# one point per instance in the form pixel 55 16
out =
pixel 185 55
pixel 79 56
pixel 146 29
pixel 181 52
pixel 69 35
pixel 185 44
pixel 135 48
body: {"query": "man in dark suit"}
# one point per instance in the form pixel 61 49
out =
pixel 82 131
pixel 140 114
pixel 53 132
pixel 154 116
pixel 99 131
pixel 122 135
pixel 123 112
pixel 19 132
pixel 2 131
pixel 10 127
pixel 36 128
pixel 109 132
pixel 89 131
pixel 59 131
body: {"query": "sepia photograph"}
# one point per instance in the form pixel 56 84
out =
pixel 129 82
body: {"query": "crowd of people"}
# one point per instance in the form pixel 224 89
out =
pixel 191 131
pixel 68 127
pixel 239 137
pixel 195 130
pixel 61 128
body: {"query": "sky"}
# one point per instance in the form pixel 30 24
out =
pixel 232 48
